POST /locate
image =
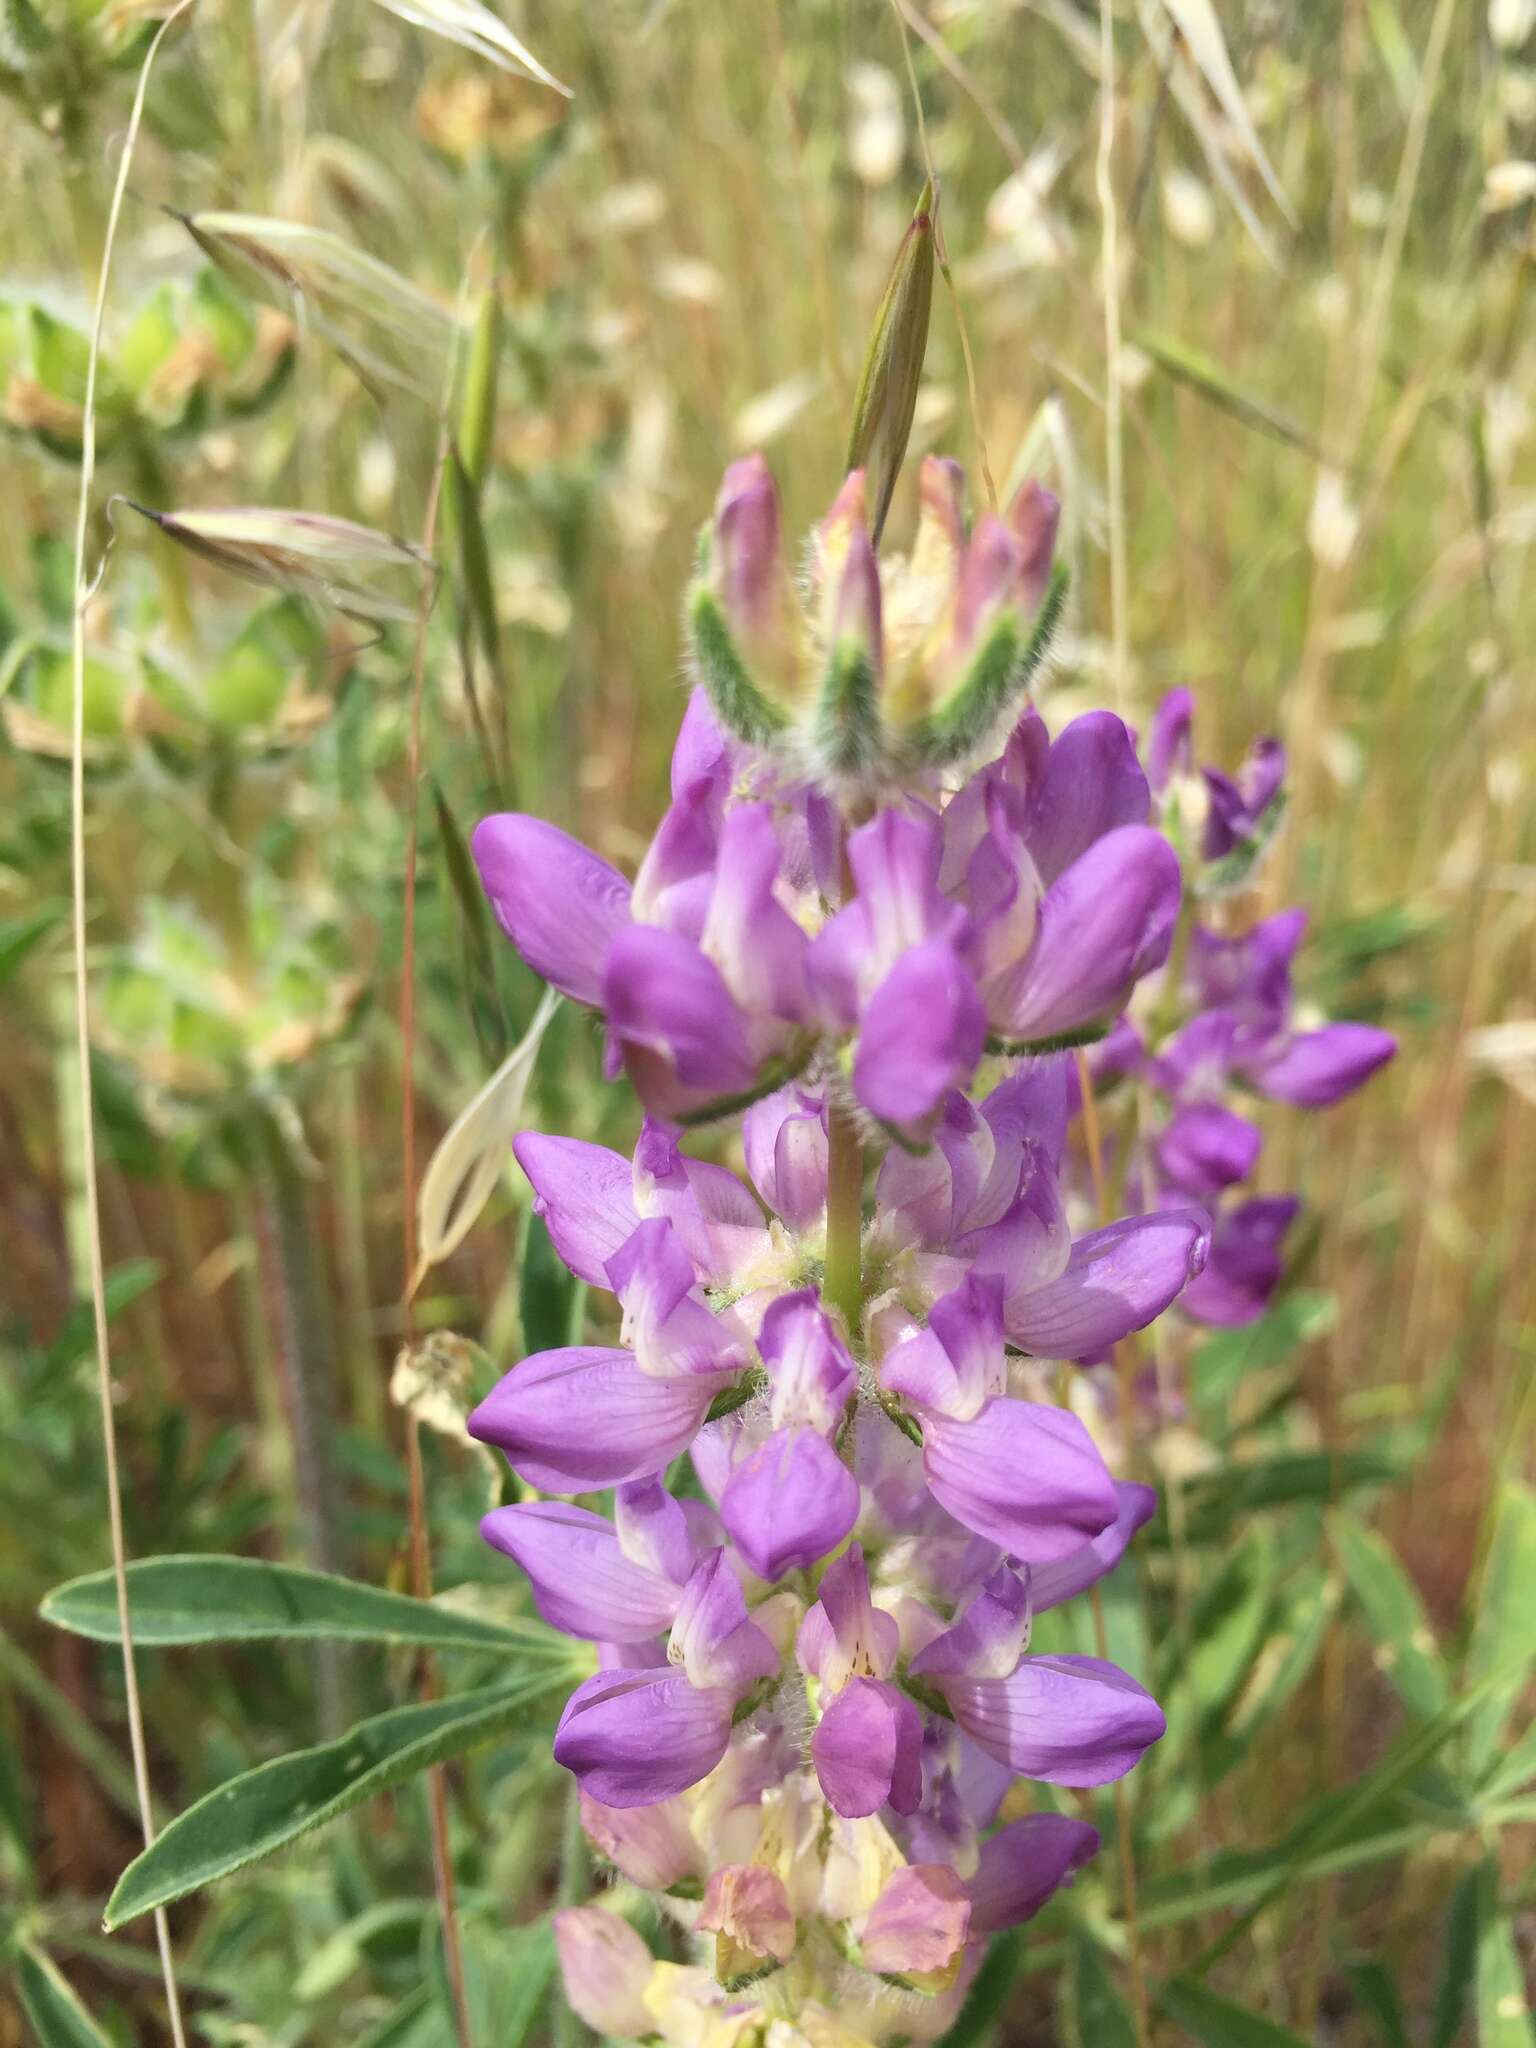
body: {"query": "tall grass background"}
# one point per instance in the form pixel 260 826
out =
pixel 1327 509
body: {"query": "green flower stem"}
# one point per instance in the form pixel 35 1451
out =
pixel 843 1285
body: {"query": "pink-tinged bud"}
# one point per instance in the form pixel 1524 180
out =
pixel 606 1967
pixel 748 1907
pixel 918 1925
pixel 846 515
pixel 856 617
pixel 940 540
pixel 1033 518
pixel 751 574
pixel 989 580
pixel 653 1846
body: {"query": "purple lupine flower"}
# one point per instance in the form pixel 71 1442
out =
pixel 611 1582
pixel 633 1737
pixel 1239 804
pixel 606 1967
pixel 589 1416
pixel 790 1499
pixel 1023 1866
pixel 988 1196
pixel 1066 1720
pixel 867 1748
pixel 1025 1476
pixel 784 1727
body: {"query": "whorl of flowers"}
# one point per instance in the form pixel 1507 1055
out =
pixel 840 1483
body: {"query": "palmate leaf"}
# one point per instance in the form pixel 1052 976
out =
pixel 179 1600
pixel 264 1810
pixel 57 2017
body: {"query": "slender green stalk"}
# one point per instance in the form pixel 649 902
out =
pixel 294 1315
pixel 843 1285
pixel 88 1170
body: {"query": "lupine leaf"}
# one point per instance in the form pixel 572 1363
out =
pixel 179 1600
pixel 265 1809
pixel 551 1300
pixel 58 2018
pixel 1376 1987
pixel 1503 2009
pixel 1220 2022
pixel 1098 2016
pixel 1395 1615
pixel 1504 1633
pixel 1458 1963
pixel 1222 1498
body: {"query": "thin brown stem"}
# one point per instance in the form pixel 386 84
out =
pixel 89 1171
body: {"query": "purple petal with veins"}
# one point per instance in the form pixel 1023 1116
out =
pixel 559 903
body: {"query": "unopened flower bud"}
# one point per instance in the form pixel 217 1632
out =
pixel 606 1967
pixel 1033 518
pixel 751 577
pixel 893 368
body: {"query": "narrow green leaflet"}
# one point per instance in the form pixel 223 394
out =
pixel 265 1809
pixel 1220 2022
pixel 58 2018
pixel 1389 1600
pixel 1458 1963
pixel 1096 2015
pixel 1374 1983
pixel 244 1599
pixel 551 1300
pixel 1503 2010
pixel 1224 1497
pixel 1504 1633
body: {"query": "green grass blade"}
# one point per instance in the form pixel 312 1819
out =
pixel 58 2018
pixel 1395 1615
pixel 1504 1633
pixel 1219 2022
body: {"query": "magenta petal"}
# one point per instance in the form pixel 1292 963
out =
pixel 558 902
pixel 1168 742
pixel 585 1195
pixel 921 1035
pixel 1116 1280
pixel 633 1737
pixel 1245 1265
pixel 573 1420
pixel 582 1581
pixel 1066 1720
pixel 1023 1865
pixel 1103 924
pixel 1091 783
pixel 713 1637
pixel 1205 1148
pixel 682 1038
pixel 1319 1068
pixel 1050 1584
pixel 789 1504
pixel 1027 1477
pixel 867 1750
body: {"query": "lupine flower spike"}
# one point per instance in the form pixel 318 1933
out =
pixel 806 1529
